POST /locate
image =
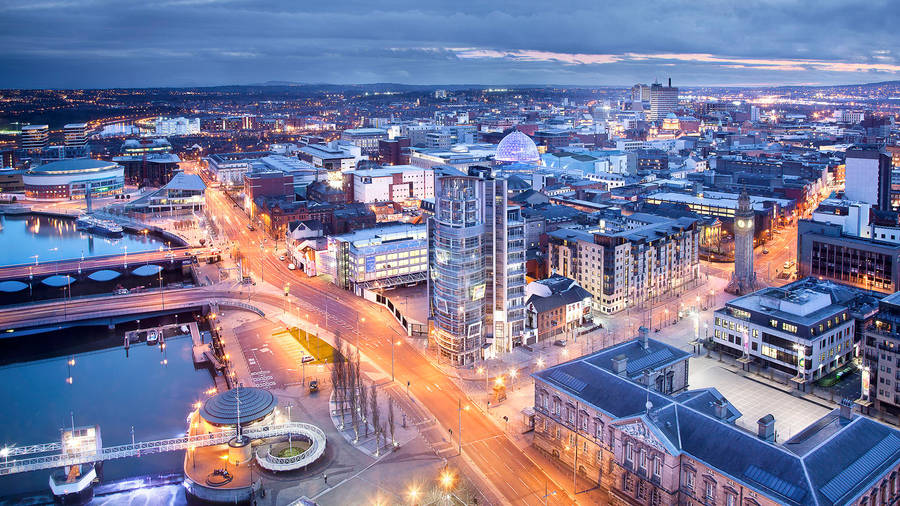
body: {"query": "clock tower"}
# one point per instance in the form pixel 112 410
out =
pixel 743 280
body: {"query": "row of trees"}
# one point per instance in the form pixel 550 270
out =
pixel 355 399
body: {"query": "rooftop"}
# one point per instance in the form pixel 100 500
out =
pixel 74 166
pixel 831 462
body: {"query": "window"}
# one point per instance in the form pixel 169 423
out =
pixel 657 467
pixel 730 500
pixel 710 491
pixel 689 481
pixel 643 460
pixel 787 327
pixel 629 453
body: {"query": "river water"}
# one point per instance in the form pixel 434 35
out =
pixel 149 389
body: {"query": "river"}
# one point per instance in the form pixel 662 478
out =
pixel 150 389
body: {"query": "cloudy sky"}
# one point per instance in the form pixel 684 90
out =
pixel 139 43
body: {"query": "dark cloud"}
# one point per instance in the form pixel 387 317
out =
pixel 101 43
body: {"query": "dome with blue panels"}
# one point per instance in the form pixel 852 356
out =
pixel 517 147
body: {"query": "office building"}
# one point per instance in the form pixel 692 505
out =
pixel 627 261
pixel 376 258
pixel 868 177
pixel 168 127
pixel 881 358
pixel 229 168
pixel 146 146
pixel 183 194
pixel 34 137
pixel 555 308
pixel 617 419
pixel 476 247
pixel 807 328
pixel 460 156
pixel 266 185
pixel 75 135
pixel 396 183
pixel 825 251
pixel 663 100
pixel 640 93
pixel 365 138
pixel 394 151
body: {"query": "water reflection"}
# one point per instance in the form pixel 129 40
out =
pixel 40 238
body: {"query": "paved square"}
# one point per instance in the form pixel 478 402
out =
pixel 755 399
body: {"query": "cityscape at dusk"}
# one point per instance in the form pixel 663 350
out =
pixel 406 253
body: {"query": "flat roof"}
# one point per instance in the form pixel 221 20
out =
pixel 74 165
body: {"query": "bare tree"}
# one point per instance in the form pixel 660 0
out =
pixel 364 404
pixel 376 416
pixel 352 398
pixel 390 420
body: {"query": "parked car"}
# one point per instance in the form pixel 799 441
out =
pixel 121 291
pixel 292 267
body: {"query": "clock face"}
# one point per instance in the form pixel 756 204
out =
pixel 741 223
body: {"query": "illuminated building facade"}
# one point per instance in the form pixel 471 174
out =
pixel 68 179
pixel 629 261
pixel 807 328
pixel 476 269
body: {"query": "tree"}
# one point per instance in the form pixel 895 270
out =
pixel 390 419
pixel 364 404
pixel 376 416
pixel 351 397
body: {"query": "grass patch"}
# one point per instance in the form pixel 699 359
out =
pixel 835 377
pixel 319 349
pixel 292 451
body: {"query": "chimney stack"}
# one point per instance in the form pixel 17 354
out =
pixel 846 410
pixel 620 364
pixel 644 334
pixel 721 408
pixel 766 426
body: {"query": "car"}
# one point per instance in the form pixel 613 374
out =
pixel 250 227
pixel 313 386
pixel 121 291
pixel 559 342
pixel 765 252
pixel 788 264
pixel 292 267
pixel 282 258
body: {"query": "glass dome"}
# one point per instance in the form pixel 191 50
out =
pixel 517 147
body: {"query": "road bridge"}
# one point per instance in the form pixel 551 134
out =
pixel 111 309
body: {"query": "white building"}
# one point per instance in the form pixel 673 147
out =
pixel 167 127
pixel 395 183
pixel 375 258
pixel 366 138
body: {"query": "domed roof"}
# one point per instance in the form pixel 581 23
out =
pixel 517 147
pixel 221 409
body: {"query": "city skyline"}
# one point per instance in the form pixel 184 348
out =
pixel 91 44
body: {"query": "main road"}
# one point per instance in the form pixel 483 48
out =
pixel 517 478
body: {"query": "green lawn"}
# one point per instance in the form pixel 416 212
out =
pixel 322 351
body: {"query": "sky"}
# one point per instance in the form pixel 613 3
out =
pixel 144 43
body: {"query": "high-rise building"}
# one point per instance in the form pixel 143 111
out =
pixel 366 138
pixel 75 135
pixel 640 93
pixel 35 137
pixel 868 177
pixel 476 282
pixel 663 100
pixel 743 280
pixel 176 126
